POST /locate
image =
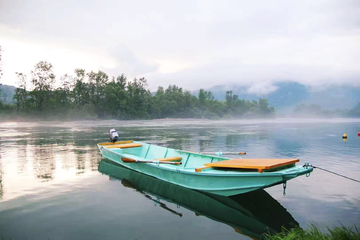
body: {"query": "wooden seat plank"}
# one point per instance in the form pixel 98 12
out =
pixel 259 164
pixel 115 143
pixel 127 145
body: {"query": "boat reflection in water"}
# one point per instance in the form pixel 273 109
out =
pixel 250 214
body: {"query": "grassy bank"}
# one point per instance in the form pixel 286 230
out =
pixel 312 233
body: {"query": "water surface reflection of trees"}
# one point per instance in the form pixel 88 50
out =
pixel 47 152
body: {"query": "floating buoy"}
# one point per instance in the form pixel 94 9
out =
pixel 344 135
pixel 359 134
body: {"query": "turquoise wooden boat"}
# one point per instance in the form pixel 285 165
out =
pixel 250 214
pixel 212 174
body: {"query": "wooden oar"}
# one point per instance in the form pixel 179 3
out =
pixel 168 159
pixel 200 169
pixel 224 153
pixel 130 160
pixel 215 153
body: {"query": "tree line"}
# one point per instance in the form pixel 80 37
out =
pixel 89 95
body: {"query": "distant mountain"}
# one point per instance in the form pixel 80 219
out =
pixel 7 93
pixel 355 112
pixel 290 94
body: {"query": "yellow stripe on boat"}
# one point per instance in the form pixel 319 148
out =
pixel 115 143
pixel 126 145
pixel 259 164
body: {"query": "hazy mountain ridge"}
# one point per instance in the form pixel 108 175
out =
pixel 290 94
pixel 7 93
pixel 355 112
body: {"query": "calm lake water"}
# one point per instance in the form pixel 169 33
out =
pixel 55 185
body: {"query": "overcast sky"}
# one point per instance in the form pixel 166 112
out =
pixel 189 43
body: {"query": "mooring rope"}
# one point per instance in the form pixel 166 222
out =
pixel 336 174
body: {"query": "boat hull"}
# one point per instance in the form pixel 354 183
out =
pixel 220 182
pixel 250 214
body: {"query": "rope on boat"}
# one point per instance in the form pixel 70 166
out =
pixel 336 173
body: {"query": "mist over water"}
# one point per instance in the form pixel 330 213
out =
pixel 51 186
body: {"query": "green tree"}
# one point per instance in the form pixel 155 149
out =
pixel 80 94
pixel 263 106
pixel 229 98
pixel 139 98
pixel 62 95
pixel 121 81
pixel 20 93
pixel 205 98
pixel 116 98
pixel 202 97
pixel 43 80
pixel 159 103
pixel 97 82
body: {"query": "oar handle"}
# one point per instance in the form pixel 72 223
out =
pixel 130 160
pixel 234 153
pixel 162 162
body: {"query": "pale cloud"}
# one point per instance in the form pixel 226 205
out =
pixel 189 43
pixel 22 56
pixel 128 62
pixel 262 88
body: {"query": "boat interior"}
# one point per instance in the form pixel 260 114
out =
pixel 132 151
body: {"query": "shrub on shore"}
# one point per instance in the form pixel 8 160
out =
pixel 313 233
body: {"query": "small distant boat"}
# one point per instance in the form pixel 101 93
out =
pixel 207 173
